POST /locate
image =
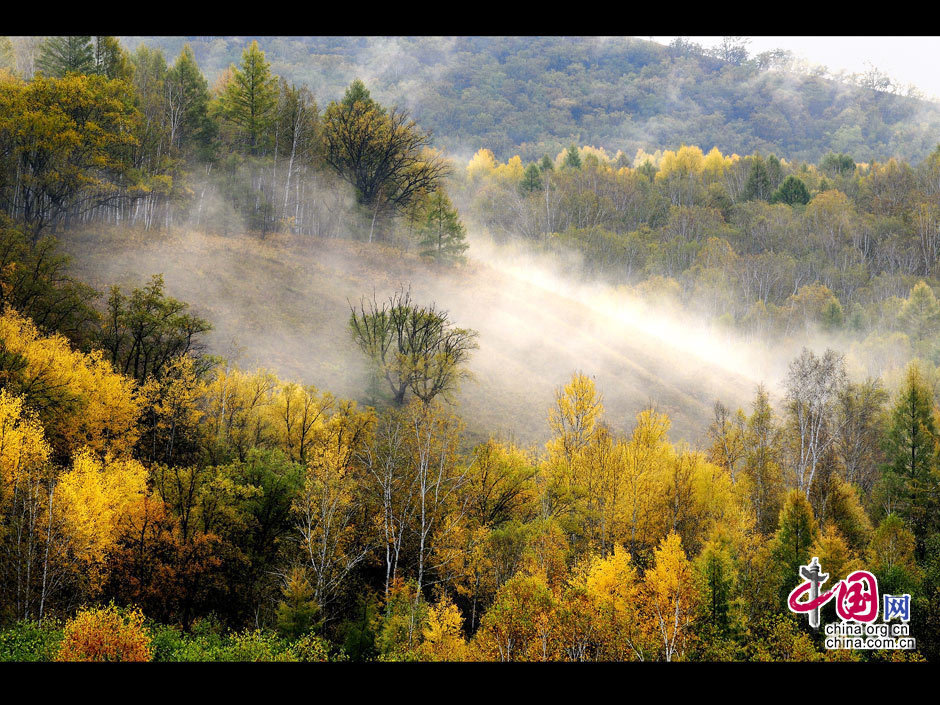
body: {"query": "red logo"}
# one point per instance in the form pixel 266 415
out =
pixel 856 596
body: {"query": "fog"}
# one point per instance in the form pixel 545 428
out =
pixel 282 303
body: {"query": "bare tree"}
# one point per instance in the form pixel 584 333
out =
pixel 812 386
pixel 861 419
pixel 412 347
pixel 393 487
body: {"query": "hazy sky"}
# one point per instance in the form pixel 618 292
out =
pixel 905 59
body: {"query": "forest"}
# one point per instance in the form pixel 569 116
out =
pixel 418 457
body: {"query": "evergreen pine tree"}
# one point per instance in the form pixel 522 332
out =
pixel 910 474
pixel 792 192
pixel 59 56
pixel 358 93
pixel 297 613
pixel 531 180
pixel 7 55
pixel 443 235
pixel 774 171
pixel 758 181
pixel 250 98
pixel 572 158
pixel 188 103
pixel 796 533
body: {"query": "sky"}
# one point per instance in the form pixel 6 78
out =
pixel 907 60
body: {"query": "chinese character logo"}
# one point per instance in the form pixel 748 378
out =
pixel 856 596
pixel 897 607
pixel 810 573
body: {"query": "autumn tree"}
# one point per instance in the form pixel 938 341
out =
pixel 516 626
pixel 90 501
pixel 432 437
pixel 154 567
pixel 328 504
pixel 582 479
pixel 763 463
pixel 612 592
pixel 891 555
pixel 443 633
pixel 382 153
pixel 919 317
pixel 861 419
pixel 26 487
pixel 670 598
pixel 391 485
pixel 68 145
pixel 297 141
pixel 726 434
pixel 500 484
pixel 812 386
pixel 79 398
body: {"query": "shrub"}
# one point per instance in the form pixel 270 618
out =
pixel 28 641
pixel 105 634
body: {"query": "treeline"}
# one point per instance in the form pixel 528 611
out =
pixel 98 135
pixel 532 95
pixel 768 246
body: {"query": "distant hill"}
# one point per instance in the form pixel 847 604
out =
pixel 535 95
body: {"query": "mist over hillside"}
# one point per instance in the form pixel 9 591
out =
pixel 284 376
pixel 284 304
pixel 536 95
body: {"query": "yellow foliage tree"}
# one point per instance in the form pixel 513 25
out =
pixel 670 597
pixel 91 500
pixel 481 165
pixel 512 171
pixel 443 633
pixel 237 407
pixel 299 412
pixel 612 590
pixel 25 478
pixel 80 400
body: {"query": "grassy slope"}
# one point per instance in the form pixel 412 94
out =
pixel 282 304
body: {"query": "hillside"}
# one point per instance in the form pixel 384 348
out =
pixel 283 304
pixel 536 95
pixel 596 375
